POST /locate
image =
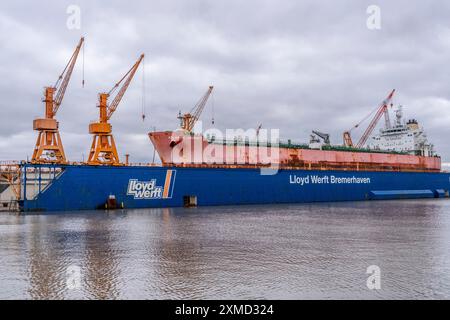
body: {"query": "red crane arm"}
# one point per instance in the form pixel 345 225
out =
pixel 381 110
pixel 65 77
pixel 129 76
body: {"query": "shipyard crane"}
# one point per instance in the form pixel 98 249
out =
pixel 103 148
pixel 258 129
pixel 188 120
pixel 380 111
pixel 49 148
pixel 325 136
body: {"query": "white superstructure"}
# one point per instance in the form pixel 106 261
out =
pixel 402 137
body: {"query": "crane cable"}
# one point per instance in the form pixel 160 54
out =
pixel 114 88
pixel 212 108
pixel 67 65
pixel 143 90
pixel 82 72
pixel 64 71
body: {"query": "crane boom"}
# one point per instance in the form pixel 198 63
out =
pixel 383 109
pixel 325 136
pixel 65 77
pixel 129 76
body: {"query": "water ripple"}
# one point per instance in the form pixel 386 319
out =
pixel 275 252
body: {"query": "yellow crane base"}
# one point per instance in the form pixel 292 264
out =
pixel 49 148
pixel 103 151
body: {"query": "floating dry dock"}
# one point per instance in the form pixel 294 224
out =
pixel 79 187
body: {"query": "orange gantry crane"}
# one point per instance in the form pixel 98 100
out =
pixel 188 120
pixel 103 149
pixel 381 110
pixel 49 148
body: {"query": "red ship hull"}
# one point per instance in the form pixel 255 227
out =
pixel 175 148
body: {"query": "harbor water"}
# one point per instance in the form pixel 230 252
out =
pixel 301 251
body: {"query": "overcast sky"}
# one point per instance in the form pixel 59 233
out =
pixel 293 65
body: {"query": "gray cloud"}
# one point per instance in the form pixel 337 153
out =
pixel 293 65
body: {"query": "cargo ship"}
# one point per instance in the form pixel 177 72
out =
pixel 211 169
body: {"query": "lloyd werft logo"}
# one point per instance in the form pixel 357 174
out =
pixel 149 189
pixel 144 189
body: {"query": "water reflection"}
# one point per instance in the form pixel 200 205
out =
pixel 101 259
pixel 286 251
pixel 178 264
pixel 45 263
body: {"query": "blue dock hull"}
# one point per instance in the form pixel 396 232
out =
pixel 81 187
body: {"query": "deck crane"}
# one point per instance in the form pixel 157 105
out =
pixel 49 148
pixel 381 110
pixel 188 120
pixel 324 136
pixel 103 148
pixel 258 129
